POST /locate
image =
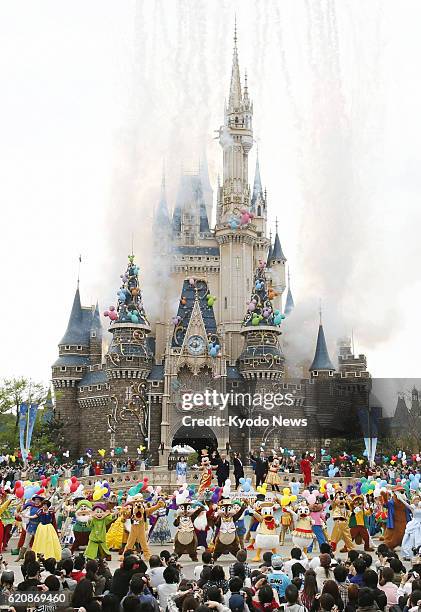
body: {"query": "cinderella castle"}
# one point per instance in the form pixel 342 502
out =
pixel 224 337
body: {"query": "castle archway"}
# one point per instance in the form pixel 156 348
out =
pixel 196 437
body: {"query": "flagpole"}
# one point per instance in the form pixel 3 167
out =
pixel 27 424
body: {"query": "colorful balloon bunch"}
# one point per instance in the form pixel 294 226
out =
pixel 260 310
pixel 242 219
pixel 214 348
pixel 130 308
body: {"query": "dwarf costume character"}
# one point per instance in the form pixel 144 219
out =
pixel 100 519
pixel 267 537
pixel 46 542
pixel 185 541
pixel 226 539
pixel 81 528
pixel 397 518
pixel 340 514
pixel 358 522
pixel 138 522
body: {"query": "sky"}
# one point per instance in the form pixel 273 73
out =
pixel 97 95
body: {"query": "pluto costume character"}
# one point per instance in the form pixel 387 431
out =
pixel 137 524
pixel 226 539
pixel 185 541
pixel 267 537
pixel 340 515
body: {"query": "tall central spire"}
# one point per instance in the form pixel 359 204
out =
pixel 235 97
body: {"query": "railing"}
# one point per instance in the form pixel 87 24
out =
pixel 161 476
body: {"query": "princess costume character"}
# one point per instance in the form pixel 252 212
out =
pixel 46 540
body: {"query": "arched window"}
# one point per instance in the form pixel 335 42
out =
pixel 259 211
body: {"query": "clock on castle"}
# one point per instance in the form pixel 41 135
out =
pixel 225 337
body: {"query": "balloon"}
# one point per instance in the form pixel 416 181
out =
pixel 73 479
pixel 96 495
pixel 19 492
pixel 73 487
pixel 54 480
pixel 101 451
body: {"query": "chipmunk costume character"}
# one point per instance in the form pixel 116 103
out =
pixel 266 534
pixel 226 539
pixel 340 515
pixel 303 534
pixel 185 541
pixel 397 518
pixel 358 522
pixel 81 528
pixel 137 523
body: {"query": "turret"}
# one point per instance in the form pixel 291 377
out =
pixel 277 268
pixel 95 338
pixel 350 365
pixel 162 222
pixel 128 363
pixel 206 186
pixel 322 366
pixel 262 355
pixel 69 369
pixel 289 302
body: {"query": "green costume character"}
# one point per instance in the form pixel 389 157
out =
pixel 101 518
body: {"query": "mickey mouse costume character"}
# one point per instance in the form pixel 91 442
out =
pixel 206 476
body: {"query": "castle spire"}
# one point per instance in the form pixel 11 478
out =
pixel 74 329
pixel 321 361
pixel 277 253
pixel 235 97
pixel 257 185
pixel 162 216
pixel 289 303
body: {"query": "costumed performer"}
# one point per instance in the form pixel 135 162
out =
pixel 81 529
pixel 137 523
pixel 6 521
pixel 398 516
pixel 46 542
pixel 100 519
pixel 30 512
pixel 305 467
pixel 206 476
pixel 340 515
pixel 411 541
pixel 161 533
pixel 273 478
pixel 181 471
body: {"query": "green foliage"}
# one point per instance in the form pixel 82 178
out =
pixel 14 391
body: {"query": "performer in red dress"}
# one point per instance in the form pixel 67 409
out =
pixel 305 467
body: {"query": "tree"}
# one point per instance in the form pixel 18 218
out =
pixel 14 391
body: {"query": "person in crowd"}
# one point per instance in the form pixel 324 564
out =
pixel 83 597
pixel 241 557
pixel 169 587
pixel 217 579
pixel 277 578
pixel 155 571
pixel 388 586
pixel 309 591
pixel 323 571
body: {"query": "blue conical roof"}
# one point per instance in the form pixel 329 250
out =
pixel 277 253
pixel 321 359
pixel 96 321
pixel 257 186
pixel 77 331
pixel 289 303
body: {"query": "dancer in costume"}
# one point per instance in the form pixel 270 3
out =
pixel 6 521
pixel 118 534
pixel 161 533
pixel 305 467
pixel 181 471
pixel 340 515
pixel 358 522
pixel 206 476
pixel 185 541
pixel 30 512
pixel 411 541
pixel 226 539
pixel 266 534
pixel 138 524
pixel 46 542
pixel 100 519
pixel 398 516
pixel 81 529
pixel 273 478
pixel 303 535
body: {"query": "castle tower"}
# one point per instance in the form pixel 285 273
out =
pixel 350 365
pixel 235 230
pixel 322 366
pixel 162 222
pixel 277 269
pixel 95 338
pixel 415 403
pixel 70 367
pixel 128 364
pixel 206 186
pixel 262 355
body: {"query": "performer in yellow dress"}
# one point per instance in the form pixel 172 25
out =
pixel 46 540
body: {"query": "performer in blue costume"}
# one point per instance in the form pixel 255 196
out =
pixel 30 509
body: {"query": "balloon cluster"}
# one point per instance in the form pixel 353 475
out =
pixel 246 485
pixel 210 300
pixel 214 348
pixel 101 489
pixel 287 497
pixel 260 310
pixel 139 488
pixel 241 219
pixel 130 308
